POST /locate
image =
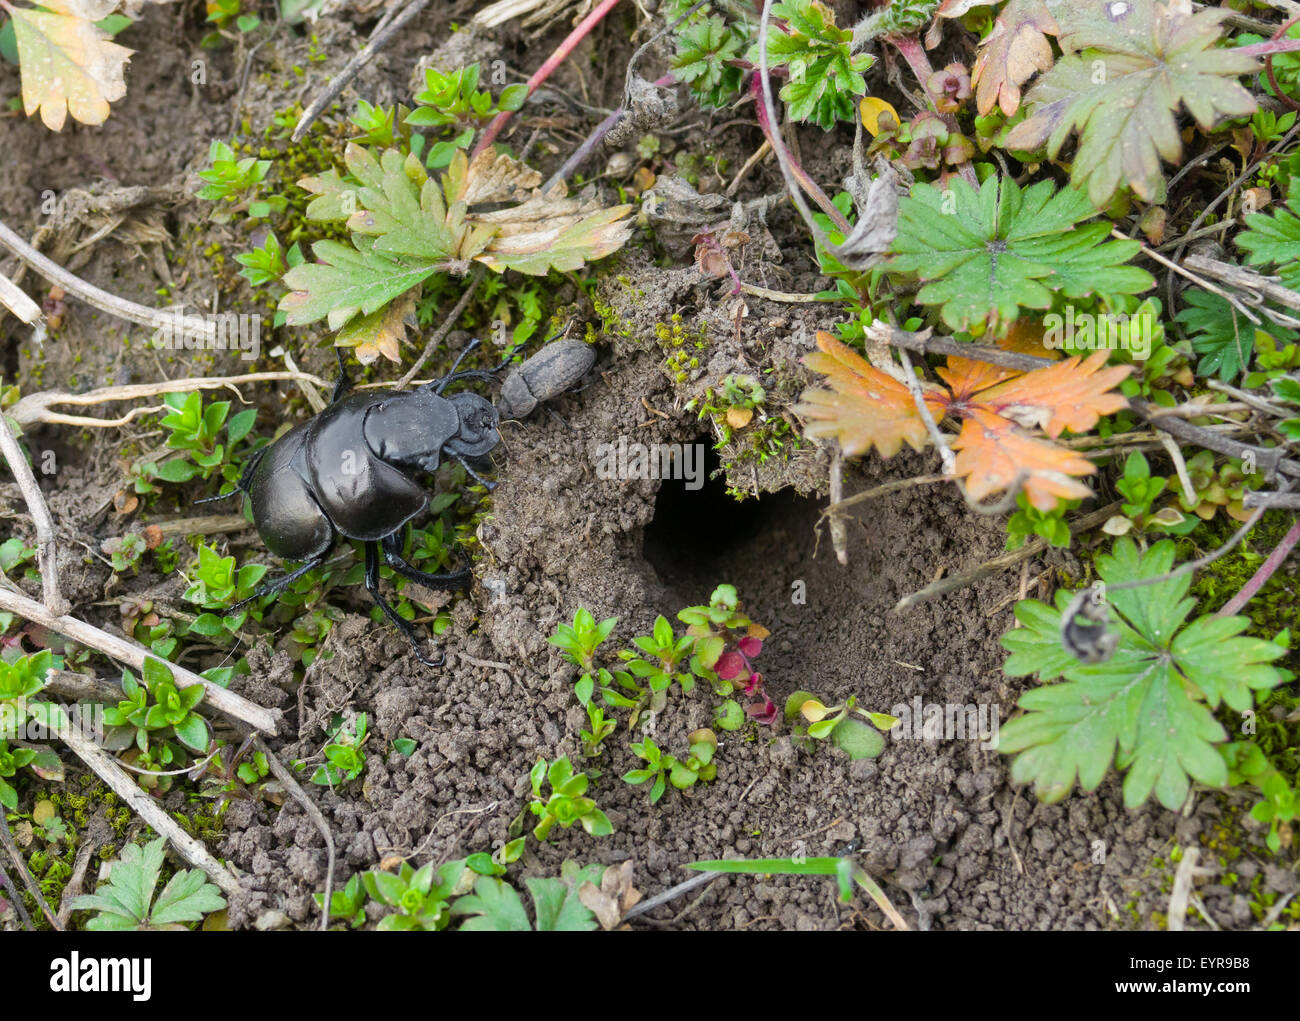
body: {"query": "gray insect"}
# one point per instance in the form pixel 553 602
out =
pixel 555 368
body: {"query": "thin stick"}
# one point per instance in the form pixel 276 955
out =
pixel 557 58
pixel 672 893
pixel 28 881
pixel 106 768
pixel 786 296
pixel 16 300
pixel 34 407
pixel 17 900
pixel 47 549
pixel 125 651
pixel 1267 458
pixel 839 534
pixel 101 299
pixel 471 285
pixel 936 437
pixel 1000 563
pixel 378 40
pixel 1227 296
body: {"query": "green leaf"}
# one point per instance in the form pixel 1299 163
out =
pixel 1223 338
pixel 178 469
pixel 557 906
pixel 985 255
pixel 1120 85
pixel 346 282
pixel 858 739
pixel 187 897
pixel 1275 238
pixel 494 907
pixel 1144 710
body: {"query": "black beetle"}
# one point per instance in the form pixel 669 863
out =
pixel 351 471
pixel 548 373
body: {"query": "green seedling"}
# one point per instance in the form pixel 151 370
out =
pixel 681 773
pixel 218 585
pixel 197 430
pixel 814 721
pixel 846 871
pixel 344 759
pixel 126 901
pixel 1279 804
pixel 235 182
pixel 423 896
pixel 170 714
pixel 601 728
pixel 1140 490
pixel 349 903
pixel 567 803
pixel 1028 520
pixel 579 643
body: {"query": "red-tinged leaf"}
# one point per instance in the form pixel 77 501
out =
pixel 730 666
pixel 992 452
pixel 865 407
pixel 1012 53
pixel 1072 395
pixel 750 647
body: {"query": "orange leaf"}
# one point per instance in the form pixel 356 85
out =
pixel 1069 395
pixel 992 452
pixel 865 407
pixel 968 376
pixel 1015 49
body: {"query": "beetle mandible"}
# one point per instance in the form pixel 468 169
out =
pixel 351 471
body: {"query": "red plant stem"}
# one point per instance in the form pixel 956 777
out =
pixel 557 58
pixel 1264 49
pixel 1268 67
pixel 1265 572
pixel 912 51
pixel 806 182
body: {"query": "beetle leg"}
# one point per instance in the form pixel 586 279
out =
pixel 245 478
pixel 403 625
pixel 272 587
pixel 453 376
pixel 393 557
pixel 344 382
pixel 489 486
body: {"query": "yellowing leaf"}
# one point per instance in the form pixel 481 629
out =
pixel 813 710
pixel 738 418
pixel 381 332
pixel 872 109
pixel 68 64
pixel 867 407
pixel 1069 395
pixel 992 452
pixel 864 408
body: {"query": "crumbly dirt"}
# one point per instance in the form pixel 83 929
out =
pixel 955 843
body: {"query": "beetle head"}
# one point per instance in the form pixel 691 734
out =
pixel 478 425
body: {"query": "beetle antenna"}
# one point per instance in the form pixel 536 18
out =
pixel 475 475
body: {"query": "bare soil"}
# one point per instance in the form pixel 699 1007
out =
pixel 958 846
